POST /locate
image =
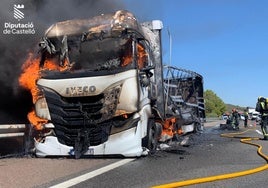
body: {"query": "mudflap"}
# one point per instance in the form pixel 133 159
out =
pixel 153 133
pixel 81 143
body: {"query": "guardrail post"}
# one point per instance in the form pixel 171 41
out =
pixel 28 141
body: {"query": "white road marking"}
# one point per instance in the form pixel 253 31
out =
pixel 87 176
pixel 259 132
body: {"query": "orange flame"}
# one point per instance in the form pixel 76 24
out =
pixel 29 76
pixel 142 57
pixel 31 72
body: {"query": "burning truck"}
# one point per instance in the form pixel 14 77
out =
pixel 99 88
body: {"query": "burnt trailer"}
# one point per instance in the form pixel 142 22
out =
pixel 101 89
pixel 185 100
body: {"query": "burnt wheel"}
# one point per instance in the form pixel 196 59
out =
pixel 153 132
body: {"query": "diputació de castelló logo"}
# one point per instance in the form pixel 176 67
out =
pixel 18 14
pixel 18 27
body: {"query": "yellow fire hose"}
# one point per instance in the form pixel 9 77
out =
pixel 245 140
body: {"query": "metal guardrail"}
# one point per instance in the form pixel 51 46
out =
pixel 12 130
pixel 16 140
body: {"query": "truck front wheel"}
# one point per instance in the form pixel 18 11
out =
pixel 153 132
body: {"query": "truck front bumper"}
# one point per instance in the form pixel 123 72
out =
pixel 126 143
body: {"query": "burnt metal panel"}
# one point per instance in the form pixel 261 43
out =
pixel 97 26
pixel 155 42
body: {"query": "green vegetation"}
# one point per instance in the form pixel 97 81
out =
pixel 229 108
pixel 215 107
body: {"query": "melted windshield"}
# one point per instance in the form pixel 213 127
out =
pixel 106 54
pixel 111 53
pixel 91 55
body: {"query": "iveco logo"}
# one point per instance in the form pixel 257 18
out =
pixel 80 90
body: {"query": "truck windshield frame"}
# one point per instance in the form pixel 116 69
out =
pixel 92 55
pixel 87 54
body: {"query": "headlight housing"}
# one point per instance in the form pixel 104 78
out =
pixel 41 109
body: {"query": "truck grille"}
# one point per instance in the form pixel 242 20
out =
pixel 73 116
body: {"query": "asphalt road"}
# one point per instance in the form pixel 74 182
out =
pixel 208 154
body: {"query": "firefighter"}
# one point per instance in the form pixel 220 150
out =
pixel 235 119
pixel 246 118
pixel 262 107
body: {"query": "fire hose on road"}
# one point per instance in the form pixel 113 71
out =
pixel 245 140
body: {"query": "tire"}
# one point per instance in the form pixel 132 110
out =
pixel 198 127
pixel 153 132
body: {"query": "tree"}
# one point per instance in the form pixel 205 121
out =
pixel 214 105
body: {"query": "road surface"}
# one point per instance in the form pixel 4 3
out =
pixel 207 154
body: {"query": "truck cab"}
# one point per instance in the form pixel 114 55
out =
pixel 94 94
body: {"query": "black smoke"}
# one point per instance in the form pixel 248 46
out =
pixel 15 102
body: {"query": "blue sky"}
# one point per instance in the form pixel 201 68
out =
pixel 226 41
